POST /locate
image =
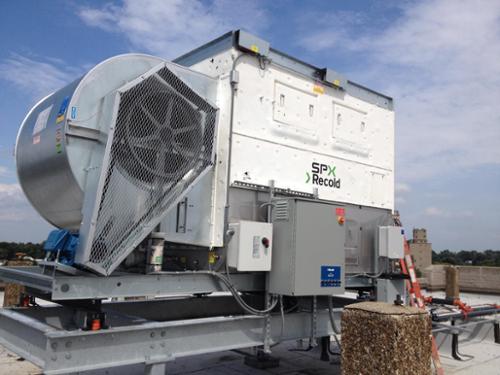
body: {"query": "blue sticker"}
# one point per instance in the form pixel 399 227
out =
pixel 73 112
pixel 331 276
pixel 62 110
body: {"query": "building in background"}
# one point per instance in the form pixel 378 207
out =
pixel 421 250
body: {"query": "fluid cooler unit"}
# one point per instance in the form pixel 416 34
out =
pixel 138 143
pixel 235 168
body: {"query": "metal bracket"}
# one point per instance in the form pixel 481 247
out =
pixel 155 369
pixel 496 329
pixel 83 132
pixel 59 267
pixel 158 365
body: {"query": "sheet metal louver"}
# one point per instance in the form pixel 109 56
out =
pixel 161 143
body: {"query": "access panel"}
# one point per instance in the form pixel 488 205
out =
pixel 308 251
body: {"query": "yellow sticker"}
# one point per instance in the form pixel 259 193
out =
pixel 336 82
pixel 211 257
pixel 254 48
pixel 59 118
pixel 318 89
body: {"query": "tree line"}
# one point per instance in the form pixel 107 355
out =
pixel 489 258
pixel 8 250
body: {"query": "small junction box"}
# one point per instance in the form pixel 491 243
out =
pixel 391 242
pixel 250 247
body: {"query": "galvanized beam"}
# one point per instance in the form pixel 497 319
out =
pixel 61 351
pixel 89 286
pixel 28 276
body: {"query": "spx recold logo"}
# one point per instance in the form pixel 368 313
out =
pixel 323 175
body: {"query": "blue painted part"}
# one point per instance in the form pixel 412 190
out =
pixel 64 106
pixel 331 276
pixel 63 242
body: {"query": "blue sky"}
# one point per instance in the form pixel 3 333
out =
pixel 438 59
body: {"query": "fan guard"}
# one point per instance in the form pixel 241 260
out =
pixel 161 143
pixel 161 134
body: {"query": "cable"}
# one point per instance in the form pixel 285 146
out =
pixel 239 299
pixel 282 312
pixel 375 276
pixel 232 289
pixel 289 310
pixel 308 349
pixel 227 269
pixel 262 61
pixel 332 321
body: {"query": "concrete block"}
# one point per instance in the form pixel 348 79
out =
pixel 380 338
pixel 12 296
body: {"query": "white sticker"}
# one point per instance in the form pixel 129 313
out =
pixel 41 120
pixel 256 247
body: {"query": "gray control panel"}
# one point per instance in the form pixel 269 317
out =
pixel 308 250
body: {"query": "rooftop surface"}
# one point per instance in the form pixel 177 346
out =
pixel 485 358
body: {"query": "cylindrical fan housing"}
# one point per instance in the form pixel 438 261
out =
pixel 59 135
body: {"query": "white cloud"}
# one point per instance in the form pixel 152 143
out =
pixel 401 190
pixel 439 61
pixel 333 30
pixel 37 77
pixel 10 191
pixel 169 28
pixel 18 220
pixel 434 211
pixel 4 171
pixel 399 200
pixel 13 203
pixel 444 213
pixel 465 213
pixel 402 187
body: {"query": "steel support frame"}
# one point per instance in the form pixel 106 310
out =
pixel 85 285
pixel 463 332
pixel 60 351
pixel 461 327
pixel 148 333
pixel 89 286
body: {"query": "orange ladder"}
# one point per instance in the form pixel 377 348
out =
pixel 416 298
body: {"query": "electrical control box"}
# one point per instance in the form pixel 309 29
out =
pixel 250 247
pixel 308 253
pixel 390 242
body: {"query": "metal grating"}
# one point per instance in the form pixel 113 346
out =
pixel 163 141
pixel 281 210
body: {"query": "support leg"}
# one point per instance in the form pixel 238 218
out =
pixel 454 347
pixel 155 369
pixel 262 360
pixel 496 329
pixel 325 343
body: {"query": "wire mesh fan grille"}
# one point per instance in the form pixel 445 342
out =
pixel 163 140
